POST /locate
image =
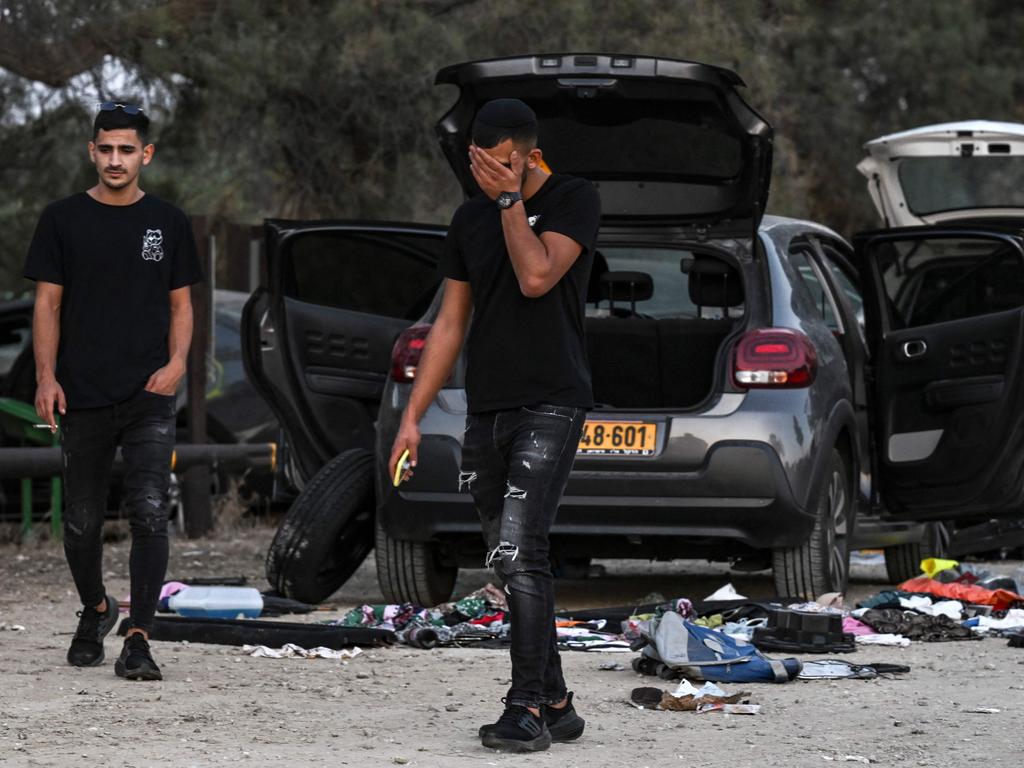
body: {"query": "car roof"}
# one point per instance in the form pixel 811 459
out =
pixel 770 223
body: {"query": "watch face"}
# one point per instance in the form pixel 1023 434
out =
pixel 504 200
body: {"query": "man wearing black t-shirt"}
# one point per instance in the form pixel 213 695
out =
pixel 518 257
pixel 111 331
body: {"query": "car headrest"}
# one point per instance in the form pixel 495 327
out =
pixel 598 268
pixel 627 286
pixel 714 283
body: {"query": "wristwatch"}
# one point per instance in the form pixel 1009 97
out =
pixel 508 199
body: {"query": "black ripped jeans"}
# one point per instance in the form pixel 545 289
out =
pixel 516 463
pixel 144 428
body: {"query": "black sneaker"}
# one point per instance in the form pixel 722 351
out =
pixel 87 645
pixel 517 730
pixel 136 662
pixel 564 724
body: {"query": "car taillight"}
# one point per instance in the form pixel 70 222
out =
pixel 406 353
pixel 774 357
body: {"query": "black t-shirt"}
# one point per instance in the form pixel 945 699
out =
pixel 117 264
pixel 521 350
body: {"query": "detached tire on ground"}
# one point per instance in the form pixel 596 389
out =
pixel 327 532
pixel 412 571
pixel 822 563
pixel 903 561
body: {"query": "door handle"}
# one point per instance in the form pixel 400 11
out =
pixel 914 348
pixel 266 332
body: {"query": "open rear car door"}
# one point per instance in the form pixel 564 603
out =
pixel 945 317
pixel 318 337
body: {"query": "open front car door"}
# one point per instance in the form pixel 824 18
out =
pixel 945 317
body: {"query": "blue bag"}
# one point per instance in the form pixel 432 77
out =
pixel 699 653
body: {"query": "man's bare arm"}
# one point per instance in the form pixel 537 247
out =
pixel 45 339
pixel 440 352
pixel 164 381
pixel 538 262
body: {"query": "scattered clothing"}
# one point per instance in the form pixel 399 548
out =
pixel 1012 622
pixel 999 599
pixel 855 626
pixel 292 651
pixel 916 626
pixel 883 639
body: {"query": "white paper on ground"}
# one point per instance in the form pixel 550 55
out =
pixel 686 688
pixel 882 639
pixel 290 650
pixel 728 592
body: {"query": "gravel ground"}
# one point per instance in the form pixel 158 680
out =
pixel 422 708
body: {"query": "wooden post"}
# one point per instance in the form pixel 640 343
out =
pixel 195 484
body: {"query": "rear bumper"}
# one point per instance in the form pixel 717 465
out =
pixel 740 493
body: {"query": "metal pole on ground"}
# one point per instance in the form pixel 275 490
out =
pixel 195 484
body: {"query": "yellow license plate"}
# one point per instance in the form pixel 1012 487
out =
pixel 624 438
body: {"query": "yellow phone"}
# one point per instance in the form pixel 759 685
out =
pixel 401 466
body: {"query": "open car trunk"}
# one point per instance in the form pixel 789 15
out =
pixel 972 170
pixel 656 320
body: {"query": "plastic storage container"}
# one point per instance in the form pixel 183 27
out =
pixel 218 602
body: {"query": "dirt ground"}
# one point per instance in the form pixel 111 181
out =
pixel 422 708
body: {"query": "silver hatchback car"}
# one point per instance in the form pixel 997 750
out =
pixel 739 361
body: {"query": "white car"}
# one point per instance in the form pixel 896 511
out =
pixel 942 187
pixel 968 172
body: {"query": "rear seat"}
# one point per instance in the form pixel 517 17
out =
pixel 623 351
pixel 688 347
pixel 640 362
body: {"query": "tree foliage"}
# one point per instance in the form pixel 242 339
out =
pixel 325 108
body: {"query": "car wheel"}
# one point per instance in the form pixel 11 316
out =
pixel 412 571
pixel 903 561
pixel 327 532
pixel 822 563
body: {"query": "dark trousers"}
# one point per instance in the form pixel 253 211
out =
pixel 144 428
pixel 516 463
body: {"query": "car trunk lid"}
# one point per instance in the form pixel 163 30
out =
pixel 947 172
pixel 667 142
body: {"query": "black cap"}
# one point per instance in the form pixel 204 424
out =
pixel 505 113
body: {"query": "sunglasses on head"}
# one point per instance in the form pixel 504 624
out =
pixel 110 106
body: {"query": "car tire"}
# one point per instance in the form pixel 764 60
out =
pixel 903 561
pixel 822 563
pixel 328 531
pixel 412 571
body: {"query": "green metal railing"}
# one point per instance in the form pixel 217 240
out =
pixel 16 422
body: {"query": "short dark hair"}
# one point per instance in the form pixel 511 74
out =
pixel 117 119
pixel 502 119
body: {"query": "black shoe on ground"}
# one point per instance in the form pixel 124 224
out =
pixel 517 730
pixel 87 645
pixel 563 723
pixel 136 662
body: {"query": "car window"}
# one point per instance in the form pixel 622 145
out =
pixel 851 290
pixel 394 275
pixel 801 260
pixel 951 278
pixel 665 266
